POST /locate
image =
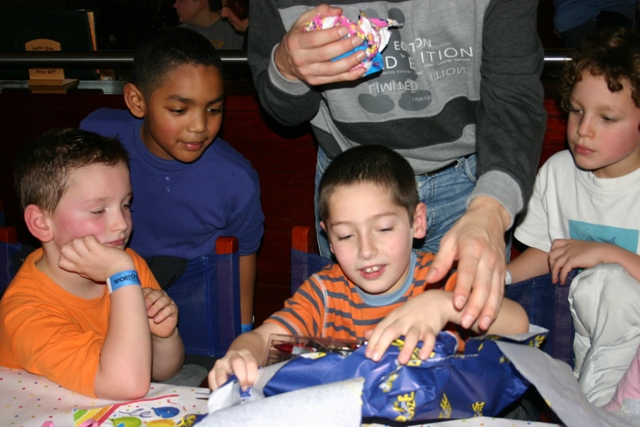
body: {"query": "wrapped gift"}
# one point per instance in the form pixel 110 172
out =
pixel 474 383
pixel 478 382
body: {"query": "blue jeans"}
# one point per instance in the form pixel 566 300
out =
pixel 445 193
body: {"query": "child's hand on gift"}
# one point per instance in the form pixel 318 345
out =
pixel 242 357
pixel 240 363
pixel 419 319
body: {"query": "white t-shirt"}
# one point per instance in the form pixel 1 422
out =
pixel 569 203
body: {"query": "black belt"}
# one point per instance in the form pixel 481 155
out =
pixel 442 169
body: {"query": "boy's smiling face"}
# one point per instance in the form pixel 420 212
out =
pixel 603 128
pixel 371 236
pixel 183 115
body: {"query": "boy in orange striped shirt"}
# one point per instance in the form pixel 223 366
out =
pixel 371 212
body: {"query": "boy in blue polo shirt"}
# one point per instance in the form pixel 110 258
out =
pixel 191 187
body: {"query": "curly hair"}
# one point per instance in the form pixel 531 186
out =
pixel 613 54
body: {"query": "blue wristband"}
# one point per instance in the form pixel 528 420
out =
pixel 122 279
pixel 246 327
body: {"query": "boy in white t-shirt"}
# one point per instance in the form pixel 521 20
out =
pixel 584 212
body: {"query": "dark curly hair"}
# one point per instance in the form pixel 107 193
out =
pixel 613 54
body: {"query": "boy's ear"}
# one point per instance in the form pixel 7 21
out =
pixel 420 221
pixel 37 223
pixel 134 99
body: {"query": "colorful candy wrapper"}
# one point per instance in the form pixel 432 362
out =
pixel 374 32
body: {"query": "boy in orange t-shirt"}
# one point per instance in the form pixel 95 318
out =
pixel 84 311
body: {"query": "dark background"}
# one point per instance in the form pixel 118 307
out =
pixel 121 23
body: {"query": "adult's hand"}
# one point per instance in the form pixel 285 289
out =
pixel 307 56
pixel 476 242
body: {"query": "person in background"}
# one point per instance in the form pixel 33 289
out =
pixel 371 212
pixel 583 212
pixel 204 17
pixel 575 20
pixel 237 13
pixel 460 98
pixel 191 186
pixel 83 311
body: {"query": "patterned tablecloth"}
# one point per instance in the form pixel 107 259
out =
pixel 28 400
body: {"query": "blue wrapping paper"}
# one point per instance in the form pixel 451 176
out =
pixel 479 382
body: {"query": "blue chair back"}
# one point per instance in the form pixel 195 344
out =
pixel 547 305
pixel 208 300
pixel 9 247
pixel 304 262
pixel 303 265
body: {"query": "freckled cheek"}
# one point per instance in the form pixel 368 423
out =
pixel 393 247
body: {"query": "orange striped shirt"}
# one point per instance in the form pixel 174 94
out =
pixel 330 305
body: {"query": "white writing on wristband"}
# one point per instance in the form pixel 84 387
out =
pixel 122 279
